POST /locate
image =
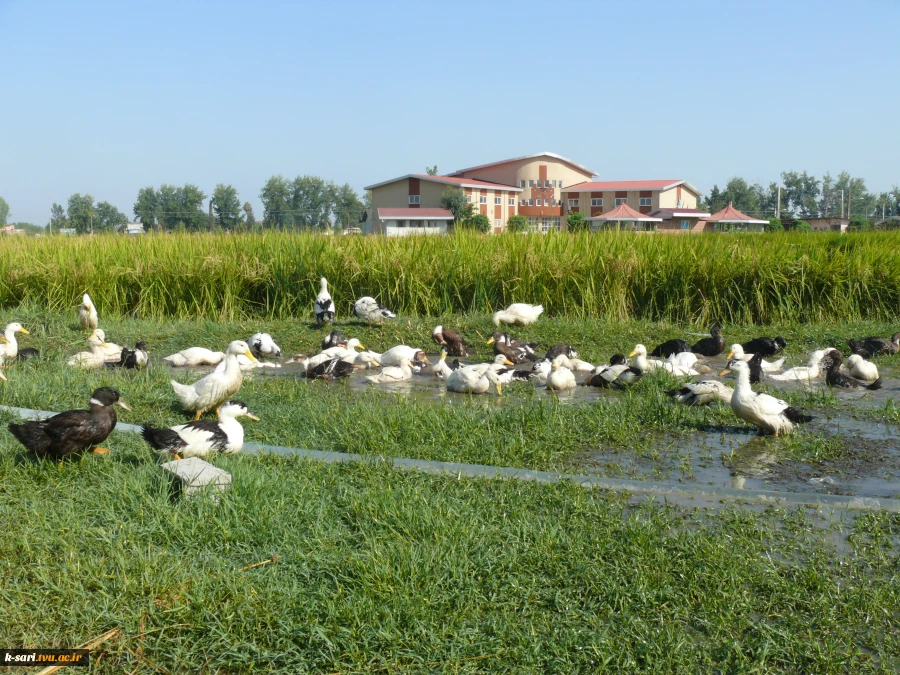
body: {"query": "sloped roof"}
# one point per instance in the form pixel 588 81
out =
pixel 449 180
pixel 625 212
pixel 625 185
pixel 519 159
pixel 414 214
pixel 731 215
pixel 678 211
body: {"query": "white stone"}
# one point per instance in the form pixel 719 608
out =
pixel 193 474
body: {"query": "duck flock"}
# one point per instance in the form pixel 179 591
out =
pixel 559 369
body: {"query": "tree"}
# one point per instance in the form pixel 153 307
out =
pixel 479 222
pixel 108 218
pixel 575 222
pixel 348 209
pixel 145 207
pixel 312 200
pixel 517 224
pixel 740 195
pixel 249 218
pixel 801 193
pixel 58 220
pixel 774 225
pixel 802 226
pixel 226 207
pixel 275 196
pixel 714 201
pixel 4 212
pixel 80 212
pixel 431 170
pixel 181 208
pixel 454 200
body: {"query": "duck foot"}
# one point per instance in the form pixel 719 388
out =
pixel 197 416
pixel 100 451
pixel 177 456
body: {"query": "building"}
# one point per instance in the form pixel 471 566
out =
pixel 11 229
pixel 595 198
pixel 819 224
pixel 400 222
pixel 623 217
pixel 730 219
pixel 133 228
pixel 677 220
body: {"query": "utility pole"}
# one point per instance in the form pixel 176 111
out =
pixel 210 216
pixel 842 203
pixel 778 205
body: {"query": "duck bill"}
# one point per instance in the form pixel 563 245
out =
pixel 22 330
pixel 3 340
pixel 633 353
pixel 376 363
pixel 253 417
pixel 250 356
pixel 123 405
pixel 507 362
pixel 491 341
pixel 361 347
pixel 499 389
pixel 730 354
pixel 724 372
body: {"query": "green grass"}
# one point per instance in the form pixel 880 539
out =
pixel 733 278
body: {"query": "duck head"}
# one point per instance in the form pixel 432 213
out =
pixel 639 350
pixel 239 347
pixel 108 396
pixel 236 409
pixel 618 360
pixel 15 327
pixel 736 352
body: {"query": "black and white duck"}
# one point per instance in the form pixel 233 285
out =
pixel 835 378
pixel 516 351
pixel 617 375
pixel 874 346
pixel 369 310
pixel 563 349
pixel 263 346
pixel 73 431
pixel 132 359
pixel 703 392
pixel 450 339
pixel 323 305
pixel 334 339
pixel 765 345
pixel 710 346
pixel 203 437
pixel 671 347
pixel 334 369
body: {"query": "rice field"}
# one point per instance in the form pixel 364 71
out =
pixel 758 279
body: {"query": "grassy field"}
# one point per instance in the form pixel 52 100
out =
pixel 382 571
pixel 735 278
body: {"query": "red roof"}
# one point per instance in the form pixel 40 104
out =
pixel 599 186
pixel 624 212
pixel 414 214
pixel 463 181
pixel 731 215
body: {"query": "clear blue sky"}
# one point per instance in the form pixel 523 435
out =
pixel 108 97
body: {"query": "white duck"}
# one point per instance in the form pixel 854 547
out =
pixel 560 378
pixel 499 363
pixel 394 355
pixel 440 368
pixel 645 365
pixel 391 374
pixel 365 359
pixel 518 314
pixel 540 371
pixel 683 359
pixel 767 413
pixel 195 356
pixel 370 311
pixel 203 437
pixel 737 352
pixel 575 365
pixel 94 358
pixel 344 351
pixel 862 369
pixel 9 349
pixel 112 350
pixel 87 313
pixel 469 381
pixel 805 373
pixel 323 305
pixel 702 393
pixel 212 391
pixel 262 345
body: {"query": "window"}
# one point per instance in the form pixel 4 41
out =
pixel 537 202
pixel 573 202
pixel 512 201
pixel 685 225
pixel 496 222
pixel 433 223
pixel 597 202
pixel 498 201
pixel 531 183
pixel 554 183
pixel 522 203
pixel 620 201
pixel 414 199
pixel 646 201
pixel 415 223
pixel 482 199
pixel 401 223
pixel 546 183
pixel 468 199
pixel 530 202
pixel 522 183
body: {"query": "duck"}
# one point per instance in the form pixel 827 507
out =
pixel 703 392
pixel 737 352
pixel 323 305
pixel 862 369
pixel 9 348
pixel 28 353
pixel 556 350
pixel 195 356
pixel 263 346
pixel 683 359
pixel 518 314
pixel 560 378
pixel 645 365
pixel 370 311
pixel 112 350
pixel 95 358
pixel 365 359
pixel 132 358
pixel 835 378
pixel 202 438
pixel 452 340
pixel 713 345
pixel 469 381
pixel 347 349
pixel 616 375
pixel 440 368
pixel 767 413
pixel 574 364
pixel 515 350
pixel 805 373
pixel 873 346
pixel 332 370
pixel 764 345
pixel 499 364
pixel 540 371
pixel 211 391
pixel 334 339
pixel 73 431
pixel 394 355
pixel 392 374
pixel 87 313
pixel 669 347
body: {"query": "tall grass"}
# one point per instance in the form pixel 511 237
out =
pixel 735 278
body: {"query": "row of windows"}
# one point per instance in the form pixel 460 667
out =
pixel 546 183
pixel 541 202
pixel 598 201
pixel 415 223
pixel 498 201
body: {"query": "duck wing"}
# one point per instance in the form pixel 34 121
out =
pixel 670 347
pixel 711 346
pixel 765 346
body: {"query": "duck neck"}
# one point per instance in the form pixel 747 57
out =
pixel 743 381
pixel 10 336
pixel 231 364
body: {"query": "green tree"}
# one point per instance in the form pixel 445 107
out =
pixel 4 212
pixel 348 208
pixel 576 222
pixel 774 225
pixel 181 208
pixel 431 170
pixel 517 224
pixel 249 218
pixel 312 199
pixel 740 195
pixel 80 212
pixel 713 201
pixel 275 196
pixel 108 218
pixel 801 193
pixel 479 222
pixel 226 207
pixel 454 200
pixel 145 207
pixel 802 226
pixel 58 220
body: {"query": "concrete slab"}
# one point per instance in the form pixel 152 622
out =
pixel 192 475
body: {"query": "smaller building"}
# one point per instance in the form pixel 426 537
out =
pixel 133 228
pixel 680 221
pixel 623 217
pixel 819 224
pixel 730 219
pixel 402 222
pixel 11 229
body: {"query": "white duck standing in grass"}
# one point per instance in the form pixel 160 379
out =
pixel 212 391
pixel 767 413
pixel 737 352
pixel 9 348
pixel 518 314
pixel 560 378
pixel 95 358
pixel 370 311
pixel 862 369
pixel 202 438
pixel 806 373
pixel 468 380
pixel 393 374
pixel 87 313
pixel 323 305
